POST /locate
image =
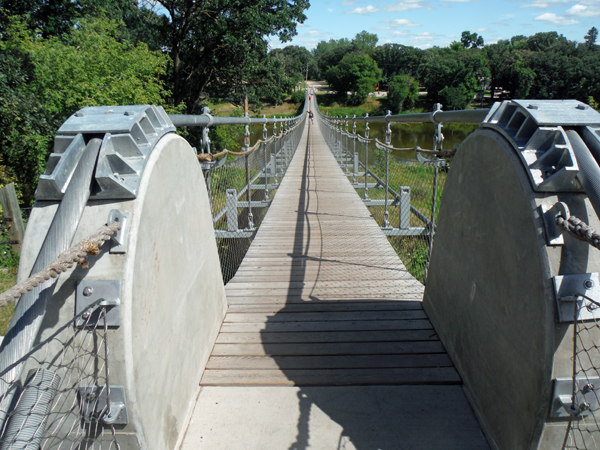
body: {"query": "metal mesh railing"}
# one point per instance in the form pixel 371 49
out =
pixel 398 190
pixel 241 189
pixel 62 400
pixel 582 400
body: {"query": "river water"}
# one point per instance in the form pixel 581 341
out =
pixel 403 135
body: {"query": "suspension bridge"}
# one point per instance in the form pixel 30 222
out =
pixel 320 289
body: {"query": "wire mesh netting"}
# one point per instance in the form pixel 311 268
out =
pixel 61 400
pixel 584 427
pixel 405 208
pixel 237 210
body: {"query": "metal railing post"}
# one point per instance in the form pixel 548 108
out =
pixel 265 158
pixel 388 140
pixel 232 209
pixel 249 187
pixel 366 194
pixel 354 149
pixel 404 208
pixel 438 139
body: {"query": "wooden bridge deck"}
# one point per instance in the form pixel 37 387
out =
pixel 321 298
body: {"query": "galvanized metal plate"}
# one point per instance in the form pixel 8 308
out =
pixel 119 239
pixel 107 293
pixel 586 393
pixel 570 291
pixel 93 402
pixel 113 119
pixel 560 112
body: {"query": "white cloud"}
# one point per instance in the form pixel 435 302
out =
pixel 402 7
pixel 543 4
pixel 314 32
pixel 404 23
pixel 330 9
pixel 399 33
pixel 580 10
pixel 425 36
pixel 479 30
pixel 348 2
pixel 556 20
pixel 363 10
pixel 382 28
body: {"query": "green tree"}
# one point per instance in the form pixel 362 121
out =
pixel 403 92
pixel 471 40
pixel 52 78
pixel 357 73
pixel 330 53
pixel 212 43
pixel 463 69
pixel 396 59
pixel 365 42
pixel 591 37
pixel 46 17
pixel 456 97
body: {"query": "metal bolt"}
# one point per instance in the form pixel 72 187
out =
pixel 585 406
pixel 86 315
pixel 587 388
pixel 591 307
pixel 87 291
pixel 588 284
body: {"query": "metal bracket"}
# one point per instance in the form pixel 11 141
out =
pixel 431 161
pixel 535 130
pixel 573 288
pixel 93 404
pixel 585 401
pixel 119 239
pixel 554 234
pixel 215 164
pixel 108 292
pixel 130 133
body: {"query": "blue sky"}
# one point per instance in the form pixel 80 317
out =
pixel 425 23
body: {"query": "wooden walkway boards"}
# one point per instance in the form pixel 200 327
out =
pixel 321 298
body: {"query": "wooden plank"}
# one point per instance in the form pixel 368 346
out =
pixel 328 362
pixel 348 325
pixel 331 377
pixel 327 336
pixel 326 306
pixel 325 316
pixel 344 284
pixel 291 299
pixel 354 348
pixel 337 292
pixel 11 210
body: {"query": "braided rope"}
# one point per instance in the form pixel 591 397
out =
pixel 66 260
pixel 579 230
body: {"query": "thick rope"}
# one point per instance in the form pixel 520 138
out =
pixel 579 230
pixel 212 156
pixel 66 260
pixel 442 153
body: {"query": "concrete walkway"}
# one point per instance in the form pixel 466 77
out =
pixel 325 344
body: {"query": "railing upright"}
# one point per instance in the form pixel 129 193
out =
pixel 366 193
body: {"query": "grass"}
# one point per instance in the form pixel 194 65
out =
pixel 412 250
pixel 7 280
pixel 287 109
